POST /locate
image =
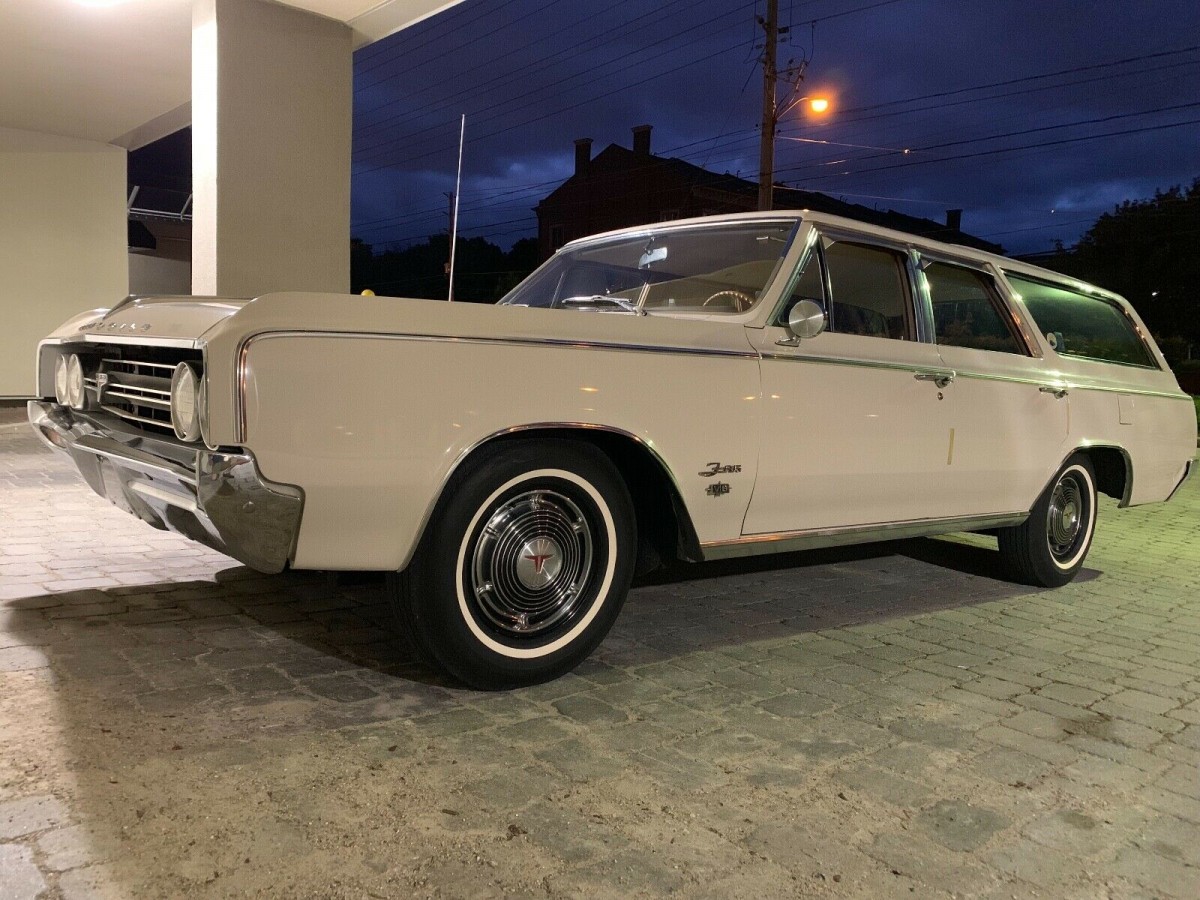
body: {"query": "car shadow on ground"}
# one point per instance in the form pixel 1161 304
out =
pixel 329 642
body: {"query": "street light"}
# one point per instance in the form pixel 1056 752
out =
pixel 817 105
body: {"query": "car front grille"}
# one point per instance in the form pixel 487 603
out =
pixel 134 384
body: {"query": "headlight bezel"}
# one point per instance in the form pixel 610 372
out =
pixel 185 402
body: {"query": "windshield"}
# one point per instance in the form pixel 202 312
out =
pixel 706 268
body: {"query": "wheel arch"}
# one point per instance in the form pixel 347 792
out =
pixel 665 529
pixel 1114 470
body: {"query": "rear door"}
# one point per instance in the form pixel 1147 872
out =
pixel 1009 417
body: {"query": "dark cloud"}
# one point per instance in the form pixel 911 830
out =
pixel 532 75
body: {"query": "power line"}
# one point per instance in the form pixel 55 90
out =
pixel 380 146
pixel 502 113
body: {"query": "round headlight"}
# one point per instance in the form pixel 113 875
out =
pixel 185 403
pixel 60 380
pixel 76 397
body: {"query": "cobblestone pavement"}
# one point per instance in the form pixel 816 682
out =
pixel 878 722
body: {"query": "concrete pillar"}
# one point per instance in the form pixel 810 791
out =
pixel 62 241
pixel 271 119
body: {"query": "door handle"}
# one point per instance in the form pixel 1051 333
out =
pixel 1059 391
pixel 941 379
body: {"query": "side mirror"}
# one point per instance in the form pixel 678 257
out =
pixel 806 319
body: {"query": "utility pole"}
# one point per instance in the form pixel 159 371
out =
pixel 766 149
pixel 792 75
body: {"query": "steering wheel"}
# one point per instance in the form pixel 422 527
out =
pixel 741 301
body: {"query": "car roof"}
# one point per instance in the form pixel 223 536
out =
pixel 841 222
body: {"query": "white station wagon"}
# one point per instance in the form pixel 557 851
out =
pixel 695 390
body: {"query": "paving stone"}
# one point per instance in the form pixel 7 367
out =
pixel 960 826
pixel 589 710
pixel 65 848
pixel 1181 779
pixel 1011 768
pixel 1166 876
pixel 28 815
pixel 20 878
pixel 895 789
pixel 581 760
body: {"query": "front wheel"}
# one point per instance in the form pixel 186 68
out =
pixel 524 566
pixel 1048 549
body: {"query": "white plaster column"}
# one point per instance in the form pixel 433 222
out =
pixel 62 241
pixel 271 119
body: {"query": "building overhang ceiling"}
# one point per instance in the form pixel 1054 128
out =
pixel 119 71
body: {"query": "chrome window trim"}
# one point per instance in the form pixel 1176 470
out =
pixel 834 235
pixel 682 225
pixel 813 539
pixel 244 349
pixel 922 298
pixel 810 251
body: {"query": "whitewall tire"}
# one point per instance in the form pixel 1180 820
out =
pixel 1049 548
pixel 524 566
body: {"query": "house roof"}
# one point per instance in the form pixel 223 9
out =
pixel 615 159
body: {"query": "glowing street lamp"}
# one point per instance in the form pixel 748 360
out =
pixel 818 105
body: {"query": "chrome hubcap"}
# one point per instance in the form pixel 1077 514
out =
pixel 1064 520
pixel 532 562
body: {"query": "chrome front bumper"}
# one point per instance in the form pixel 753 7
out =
pixel 218 499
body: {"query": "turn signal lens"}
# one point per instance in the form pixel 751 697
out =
pixel 185 403
pixel 76 397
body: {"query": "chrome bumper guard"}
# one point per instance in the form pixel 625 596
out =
pixel 219 499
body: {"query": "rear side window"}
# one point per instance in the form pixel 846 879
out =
pixel 1078 324
pixel 966 310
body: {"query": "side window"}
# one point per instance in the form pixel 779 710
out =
pixel 870 294
pixel 1083 325
pixel 966 310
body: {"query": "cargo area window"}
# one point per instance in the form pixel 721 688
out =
pixel 967 310
pixel 1083 325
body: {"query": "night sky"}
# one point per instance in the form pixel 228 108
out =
pixel 991 99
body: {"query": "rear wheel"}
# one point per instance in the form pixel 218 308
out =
pixel 524 566
pixel 1049 548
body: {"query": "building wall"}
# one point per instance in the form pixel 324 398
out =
pixel 62 241
pixel 159 275
pixel 271 117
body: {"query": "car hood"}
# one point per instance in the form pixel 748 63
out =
pixel 156 319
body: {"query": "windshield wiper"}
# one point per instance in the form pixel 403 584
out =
pixel 597 299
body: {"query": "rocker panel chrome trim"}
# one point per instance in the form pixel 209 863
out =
pixel 785 542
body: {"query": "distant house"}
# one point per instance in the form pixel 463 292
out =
pixel 621 187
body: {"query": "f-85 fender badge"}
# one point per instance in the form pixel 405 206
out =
pixel 715 468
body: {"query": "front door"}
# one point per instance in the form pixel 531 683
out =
pixel 856 422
